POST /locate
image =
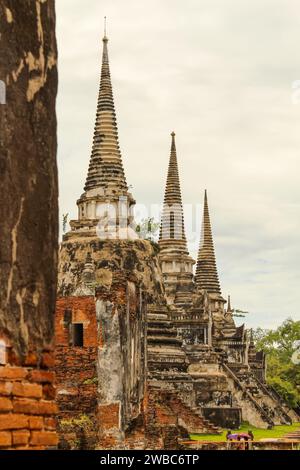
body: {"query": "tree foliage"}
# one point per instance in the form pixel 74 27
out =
pixel 283 372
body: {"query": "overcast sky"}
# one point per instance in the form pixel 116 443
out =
pixel 220 74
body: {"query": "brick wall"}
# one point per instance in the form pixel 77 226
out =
pixel 27 407
pixel 82 311
pixel 99 411
pixel 162 427
pixel 76 374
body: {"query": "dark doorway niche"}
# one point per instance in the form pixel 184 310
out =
pixel 78 335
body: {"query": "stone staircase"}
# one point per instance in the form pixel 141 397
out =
pixel 163 346
pixel 167 374
pixel 289 411
pixel 260 406
pixel 252 411
pixel 262 394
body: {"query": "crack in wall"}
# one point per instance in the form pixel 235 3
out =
pixel 9 16
pixel 14 247
pixel 39 63
pixel 15 73
pixel 23 327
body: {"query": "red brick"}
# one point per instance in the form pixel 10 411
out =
pixel 109 416
pixel 27 390
pixel 25 405
pixel 45 438
pixel 13 421
pixel 50 423
pixel 13 373
pixel 83 308
pixel 49 392
pixel 48 360
pixel 5 388
pixel 31 359
pixel 42 376
pixel 20 437
pixel 5 404
pixel 13 359
pixel 36 422
pixel 5 439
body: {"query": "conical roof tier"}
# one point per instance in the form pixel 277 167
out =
pixel 172 233
pixel 206 270
pixel 106 168
pixel 106 206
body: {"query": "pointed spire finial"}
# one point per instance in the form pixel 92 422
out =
pixel 173 141
pixel 105 38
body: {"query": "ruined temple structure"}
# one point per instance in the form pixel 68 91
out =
pixel 146 352
pixel 228 374
pixel 107 276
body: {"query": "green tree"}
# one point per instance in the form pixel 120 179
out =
pixel 283 373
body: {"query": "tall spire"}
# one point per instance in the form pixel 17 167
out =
pixel 176 264
pixel 206 269
pixel 172 221
pixel 105 168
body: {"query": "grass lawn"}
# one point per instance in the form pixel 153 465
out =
pixel 277 431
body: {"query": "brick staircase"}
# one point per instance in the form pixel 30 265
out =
pixel 190 417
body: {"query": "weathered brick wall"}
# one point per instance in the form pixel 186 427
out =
pixel 83 311
pixel 28 223
pixel 102 382
pixel 121 366
pixel 77 380
pixel 166 420
pixel 77 383
pixel 127 277
pixel 162 427
pixel 189 418
pixel 76 374
pixel 27 407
